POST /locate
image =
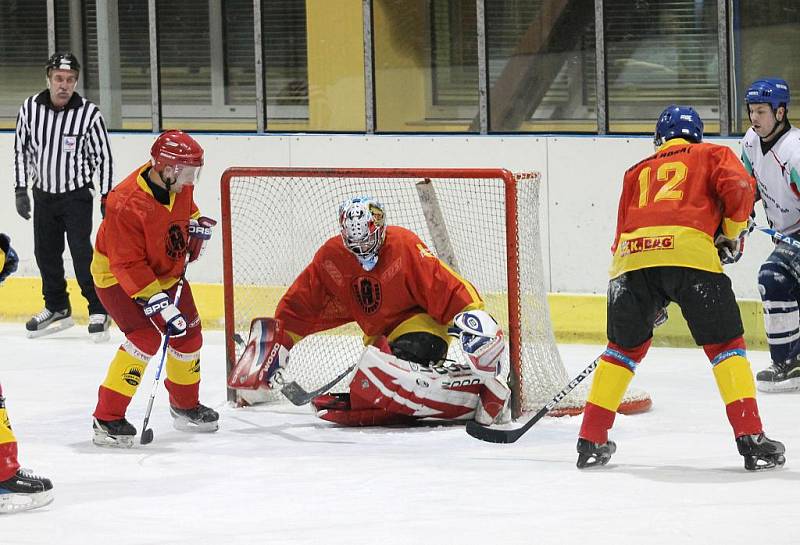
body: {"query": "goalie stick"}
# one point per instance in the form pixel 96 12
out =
pixel 295 393
pixel 298 396
pixel 509 435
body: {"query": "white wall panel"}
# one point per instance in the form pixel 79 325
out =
pixel 581 178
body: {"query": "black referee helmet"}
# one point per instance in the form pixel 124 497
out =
pixel 63 61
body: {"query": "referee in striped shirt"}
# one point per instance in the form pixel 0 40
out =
pixel 61 143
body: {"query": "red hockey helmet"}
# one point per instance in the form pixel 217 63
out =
pixel 180 151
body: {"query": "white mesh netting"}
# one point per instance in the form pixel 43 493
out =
pixel 278 220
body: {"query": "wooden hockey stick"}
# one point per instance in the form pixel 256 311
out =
pixel 509 435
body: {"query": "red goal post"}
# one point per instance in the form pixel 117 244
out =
pixel 483 223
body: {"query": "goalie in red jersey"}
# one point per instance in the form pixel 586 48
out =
pixel 151 230
pixel 409 304
pixel 683 213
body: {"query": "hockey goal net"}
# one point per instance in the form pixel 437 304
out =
pixel 484 223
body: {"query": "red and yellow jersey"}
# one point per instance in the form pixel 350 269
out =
pixel 408 280
pixel 674 201
pixel 141 243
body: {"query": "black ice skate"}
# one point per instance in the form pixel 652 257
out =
pixel 23 491
pixel 760 452
pixel 594 454
pixel 113 433
pixel 780 376
pixel 200 419
pixel 48 322
pixel 98 327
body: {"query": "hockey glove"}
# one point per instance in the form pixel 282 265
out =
pixel 730 250
pixel 199 235
pixel 11 261
pixel 23 203
pixel 481 340
pixel 164 315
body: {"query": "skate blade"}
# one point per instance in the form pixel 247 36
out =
pixel 60 325
pixel 789 385
pixel 184 424
pixel 100 337
pixel 751 463
pixel 16 503
pixel 590 461
pixel 102 439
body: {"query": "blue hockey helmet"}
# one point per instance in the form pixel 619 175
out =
pixel 772 91
pixel 678 122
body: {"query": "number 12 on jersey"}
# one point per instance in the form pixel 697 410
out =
pixel 673 174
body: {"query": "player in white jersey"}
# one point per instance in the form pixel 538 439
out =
pixel 771 153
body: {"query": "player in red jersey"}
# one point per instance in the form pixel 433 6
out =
pixel 20 489
pixel 152 226
pixel 403 298
pixel 683 212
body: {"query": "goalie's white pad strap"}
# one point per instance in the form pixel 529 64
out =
pixel 407 388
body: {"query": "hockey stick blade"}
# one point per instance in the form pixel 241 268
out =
pixel 510 435
pixel 147 433
pixel 298 396
pixel 147 436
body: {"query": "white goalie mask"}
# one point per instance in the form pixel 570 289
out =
pixel 362 221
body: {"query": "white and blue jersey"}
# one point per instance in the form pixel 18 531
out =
pixel 777 173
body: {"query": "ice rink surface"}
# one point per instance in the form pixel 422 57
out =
pixel 279 475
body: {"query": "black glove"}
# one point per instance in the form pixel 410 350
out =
pixel 23 203
pixel 12 260
pixel 103 205
pixel 730 250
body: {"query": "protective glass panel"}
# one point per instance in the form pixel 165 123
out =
pixel 23 54
pixel 426 66
pixel 767 35
pixel 541 62
pixel 658 54
pixel 114 51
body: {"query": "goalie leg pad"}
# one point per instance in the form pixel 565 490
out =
pixel 494 396
pixel 266 353
pixel 403 387
pixel 365 417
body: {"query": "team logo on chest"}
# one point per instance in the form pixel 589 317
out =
pixel 175 243
pixel 367 292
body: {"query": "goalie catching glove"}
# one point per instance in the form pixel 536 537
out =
pixel 483 342
pixel 264 358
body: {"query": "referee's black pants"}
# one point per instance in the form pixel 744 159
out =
pixel 54 215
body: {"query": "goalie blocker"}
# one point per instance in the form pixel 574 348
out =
pixel 388 390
